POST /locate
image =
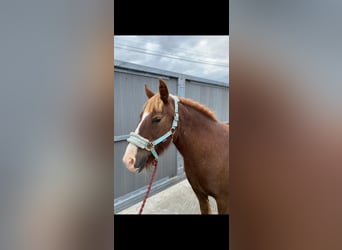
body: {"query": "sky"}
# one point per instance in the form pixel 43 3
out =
pixel 200 56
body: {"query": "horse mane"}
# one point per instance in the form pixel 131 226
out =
pixel 199 107
pixel 156 104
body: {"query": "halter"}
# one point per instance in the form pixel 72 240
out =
pixel 144 143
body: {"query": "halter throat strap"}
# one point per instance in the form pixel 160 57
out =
pixel 144 143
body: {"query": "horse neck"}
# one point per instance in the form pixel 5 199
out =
pixel 193 126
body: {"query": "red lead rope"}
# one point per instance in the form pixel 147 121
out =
pixel 155 165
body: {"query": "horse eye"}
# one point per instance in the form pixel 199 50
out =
pixel 156 119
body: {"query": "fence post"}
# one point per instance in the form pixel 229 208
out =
pixel 181 93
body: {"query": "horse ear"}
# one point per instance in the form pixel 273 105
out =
pixel 148 92
pixel 163 91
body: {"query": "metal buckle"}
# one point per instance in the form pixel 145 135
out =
pixel 149 146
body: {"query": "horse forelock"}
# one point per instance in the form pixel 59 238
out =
pixel 154 104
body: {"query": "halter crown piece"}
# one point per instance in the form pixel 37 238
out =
pixel 144 143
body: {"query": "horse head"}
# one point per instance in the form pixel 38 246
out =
pixel 154 132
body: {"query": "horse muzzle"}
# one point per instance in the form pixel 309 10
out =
pixel 141 163
pixel 135 159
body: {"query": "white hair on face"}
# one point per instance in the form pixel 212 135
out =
pixel 132 150
pixel 142 120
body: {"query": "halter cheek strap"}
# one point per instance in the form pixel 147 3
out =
pixel 144 143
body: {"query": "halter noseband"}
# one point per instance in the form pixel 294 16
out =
pixel 144 143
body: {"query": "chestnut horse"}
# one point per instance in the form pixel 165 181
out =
pixel 202 140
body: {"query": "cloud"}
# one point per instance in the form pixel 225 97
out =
pixel 200 56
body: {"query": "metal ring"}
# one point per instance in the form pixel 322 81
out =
pixel 149 145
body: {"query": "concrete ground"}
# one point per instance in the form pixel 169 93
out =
pixel 177 199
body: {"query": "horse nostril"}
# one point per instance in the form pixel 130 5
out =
pixel 131 161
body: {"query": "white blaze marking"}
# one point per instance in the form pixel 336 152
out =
pixel 142 119
pixel 132 150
